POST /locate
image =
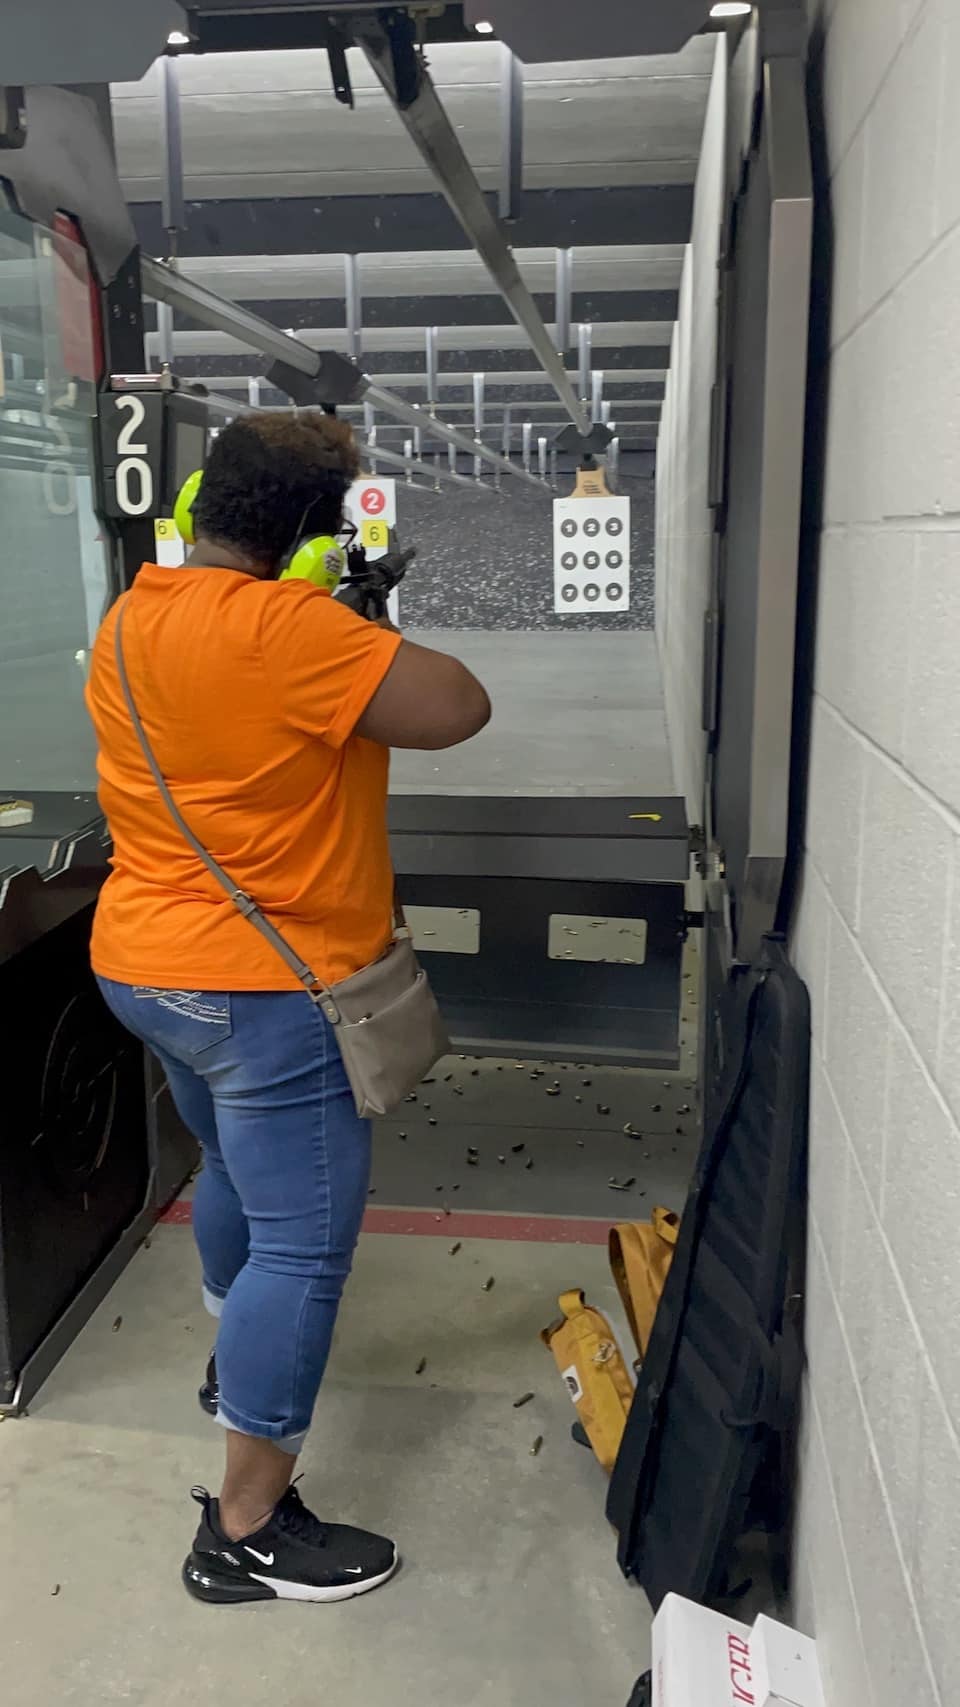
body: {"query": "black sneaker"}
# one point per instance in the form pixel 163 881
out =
pixel 293 1557
pixel 209 1394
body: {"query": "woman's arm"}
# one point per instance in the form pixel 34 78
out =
pixel 427 700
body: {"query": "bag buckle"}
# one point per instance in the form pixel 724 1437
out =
pixel 321 997
pixel 244 903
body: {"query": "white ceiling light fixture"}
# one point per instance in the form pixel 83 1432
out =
pixel 731 8
pixel 483 27
pixel 178 38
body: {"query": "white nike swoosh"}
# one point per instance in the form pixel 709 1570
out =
pixel 354 1570
pixel 265 1558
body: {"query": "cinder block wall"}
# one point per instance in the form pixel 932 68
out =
pixel 878 933
pixel 684 525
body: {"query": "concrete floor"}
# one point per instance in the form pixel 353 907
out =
pixel 572 714
pixel 509 1593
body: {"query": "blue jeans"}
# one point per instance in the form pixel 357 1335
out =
pixel 259 1081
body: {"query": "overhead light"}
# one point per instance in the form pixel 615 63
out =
pixel 731 8
pixel 484 27
pixel 177 38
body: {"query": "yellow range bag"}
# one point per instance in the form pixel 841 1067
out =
pixel 583 1343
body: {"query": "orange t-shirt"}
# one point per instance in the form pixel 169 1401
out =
pixel 250 692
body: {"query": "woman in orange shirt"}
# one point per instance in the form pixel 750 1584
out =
pixel 270 709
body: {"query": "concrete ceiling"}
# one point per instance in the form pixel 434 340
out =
pixel 267 124
pixel 269 154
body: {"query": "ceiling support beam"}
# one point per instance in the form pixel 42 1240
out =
pixel 165 333
pixel 354 307
pixel 335 380
pixel 431 336
pixel 477 418
pixel 584 346
pixel 172 210
pixel 511 134
pixel 563 298
pixel 406 81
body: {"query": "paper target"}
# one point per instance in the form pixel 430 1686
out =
pixel 591 554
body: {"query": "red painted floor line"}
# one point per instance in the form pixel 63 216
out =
pixel 463 1224
pixel 178 1214
pixel 475 1224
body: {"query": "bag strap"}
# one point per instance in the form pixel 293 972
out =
pixel 629 1252
pixel 244 903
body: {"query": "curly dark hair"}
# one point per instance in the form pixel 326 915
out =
pixel 271 476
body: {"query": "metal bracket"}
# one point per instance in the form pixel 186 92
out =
pixel 576 443
pixel 339 70
pixel 336 381
pixel 407 64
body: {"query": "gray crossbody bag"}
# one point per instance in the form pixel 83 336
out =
pixel 385 1017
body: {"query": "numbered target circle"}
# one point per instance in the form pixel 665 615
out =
pixel 568 528
pixel 613 559
pixel 591 592
pixel 569 560
pixel 569 592
pixel 614 526
pixel 591 560
pixel 614 592
pixel 591 527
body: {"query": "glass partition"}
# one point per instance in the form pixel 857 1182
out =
pixel 54 569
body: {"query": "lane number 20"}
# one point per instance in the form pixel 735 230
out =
pixel 134 474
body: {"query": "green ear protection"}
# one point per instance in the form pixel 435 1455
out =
pixel 183 508
pixel 318 559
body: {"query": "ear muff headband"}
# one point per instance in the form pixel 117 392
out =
pixel 319 559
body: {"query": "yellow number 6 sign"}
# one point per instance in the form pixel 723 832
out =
pixel 374 535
